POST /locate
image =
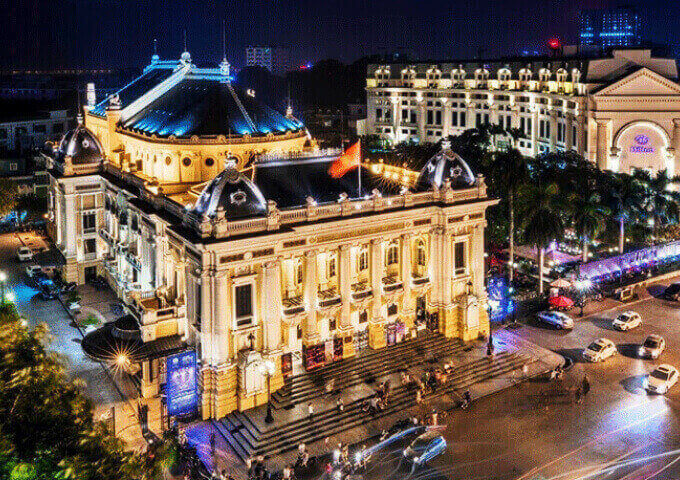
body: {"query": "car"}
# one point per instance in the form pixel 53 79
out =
pixel 34 270
pixel 652 347
pixel 627 321
pixel 424 448
pixel 661 379
pixel 48 289
pixel 558 319
pixel 672 292
pixel 600 350
pixel 24 254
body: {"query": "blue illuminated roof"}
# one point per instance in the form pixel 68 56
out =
pixel 207 105
pixel 151 77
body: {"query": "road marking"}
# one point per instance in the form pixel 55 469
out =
pixel 594 440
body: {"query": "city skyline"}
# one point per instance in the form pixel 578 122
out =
pixel 81 34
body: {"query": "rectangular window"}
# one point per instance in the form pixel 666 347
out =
pixel 454 119
pixel 90 246
pixel 243 299
pixel 438 117
pixel 363 316
pixel 14 166
pixel 89 222
pixel 430 117
pixel 459 258
pixel 392 309
pixel 462 119
pixel 331 324
pixel 378 113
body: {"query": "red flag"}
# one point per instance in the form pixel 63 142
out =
pixel 347 161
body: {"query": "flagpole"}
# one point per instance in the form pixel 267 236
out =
pixel 359 169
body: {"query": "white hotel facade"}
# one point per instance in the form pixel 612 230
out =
pixel 621 111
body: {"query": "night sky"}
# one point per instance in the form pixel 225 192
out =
pixel 115 33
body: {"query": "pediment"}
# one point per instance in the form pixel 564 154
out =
pixel 641 82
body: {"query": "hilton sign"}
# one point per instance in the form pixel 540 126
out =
pixel 641 145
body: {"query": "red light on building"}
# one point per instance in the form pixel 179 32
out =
pixel 554 43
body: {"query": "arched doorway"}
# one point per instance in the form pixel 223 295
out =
pixel 643 145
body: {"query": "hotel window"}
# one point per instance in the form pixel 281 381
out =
pixel 460 258
pixel 462 119
pixel 332 324
pixel 392 255
pixel 299 273
pixel 243 303
pixel 421 255
pixel 391 309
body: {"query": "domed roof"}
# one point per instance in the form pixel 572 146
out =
pixel 235 193
pixel 446 165
pixel 81 145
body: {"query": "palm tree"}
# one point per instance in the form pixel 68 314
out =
pixel 543 223
pixel 589 218
pixel 508 173
pixel 659 202
pixel 625 202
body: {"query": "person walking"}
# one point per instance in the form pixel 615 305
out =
pixel 585 385
pixel 490 346
pixel 578 397
pixel 310 411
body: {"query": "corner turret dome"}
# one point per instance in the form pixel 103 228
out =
pixel 238 196
pixel 445 165
pixel 82 146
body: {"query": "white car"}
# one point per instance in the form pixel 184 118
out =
pixel 33 270
pixel 661 379
pixel 653 346
pixel 557 319
pixel 600 350
pixel 24 254
pixel 627 321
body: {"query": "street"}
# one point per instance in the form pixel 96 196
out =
pixel 537 431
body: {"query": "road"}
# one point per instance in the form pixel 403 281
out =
pixel 536 430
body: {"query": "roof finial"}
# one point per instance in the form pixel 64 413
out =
pixel 225 67
pixel 289 108
pixel 155 58
pixel 185 58
pixel 185 39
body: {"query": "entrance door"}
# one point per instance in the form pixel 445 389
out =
pixel 90 273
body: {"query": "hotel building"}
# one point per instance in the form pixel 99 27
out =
pixel 216 221
pixel 620 111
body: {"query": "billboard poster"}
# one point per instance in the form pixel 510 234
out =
pixel 180 387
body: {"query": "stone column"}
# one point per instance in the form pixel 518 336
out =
pixel 395 117
pixel 270 292
pixel 470 116
pixel 534 130
pixel 675 143
pixel 345 289
pixel 421 120
pixel 311 298
pixel 406 274
pixel 493 114
pixel 446 120
pixel 581 135
pixel 602 151
pixel 477 260
pixel 376 329
pixel 447 270
pixel 72 215
pixel 435 262
pixel 221 314
pixel 514 116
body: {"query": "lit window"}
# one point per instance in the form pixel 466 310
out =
pixel 243 302
pixel 392 255
pixel 459 258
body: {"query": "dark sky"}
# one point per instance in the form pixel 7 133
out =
pixel 114 33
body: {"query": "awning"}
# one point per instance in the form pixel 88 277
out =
pixel 123 337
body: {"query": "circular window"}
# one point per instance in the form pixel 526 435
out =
pixel 168 160
pixel 86 144
pixel 186 161
pixel 209 162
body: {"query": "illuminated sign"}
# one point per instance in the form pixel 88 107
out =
pixel 180 387
pixel 641 147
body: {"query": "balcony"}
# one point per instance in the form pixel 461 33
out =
pixel 392 284
pixel 361 291
pixel 329 297
pixel 106 236
pixel 157 316
pixel 293 305
pixel 419 281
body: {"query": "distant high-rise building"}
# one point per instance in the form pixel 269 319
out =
pixel 274 59
pixel 613 27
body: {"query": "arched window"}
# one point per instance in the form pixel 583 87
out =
pixel 392 257
pixel 504 74
pixel 561 75
pixel 421 254
pixel 481 74
pixel 458 74
pixel 433 75
pixel 168 160
pixel 392 309
pixel 544 75
pixel 408 74
pixel 525 75
pixel 575 75
pixel 299 272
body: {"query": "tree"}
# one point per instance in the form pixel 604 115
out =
pixel 8 196
pixel 508 173
pixel 542 219
pixel 659 202
pixel 46 424
pixel 589 217
pixel 625 202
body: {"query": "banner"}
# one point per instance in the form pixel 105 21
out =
pixel 180 388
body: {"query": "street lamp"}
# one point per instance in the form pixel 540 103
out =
pixel 3 280
pixel 267 369
pixel 9 297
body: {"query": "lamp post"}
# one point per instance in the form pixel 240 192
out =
pixel 3 281
pixel 267 369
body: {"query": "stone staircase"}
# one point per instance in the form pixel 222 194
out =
pixel 248 437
